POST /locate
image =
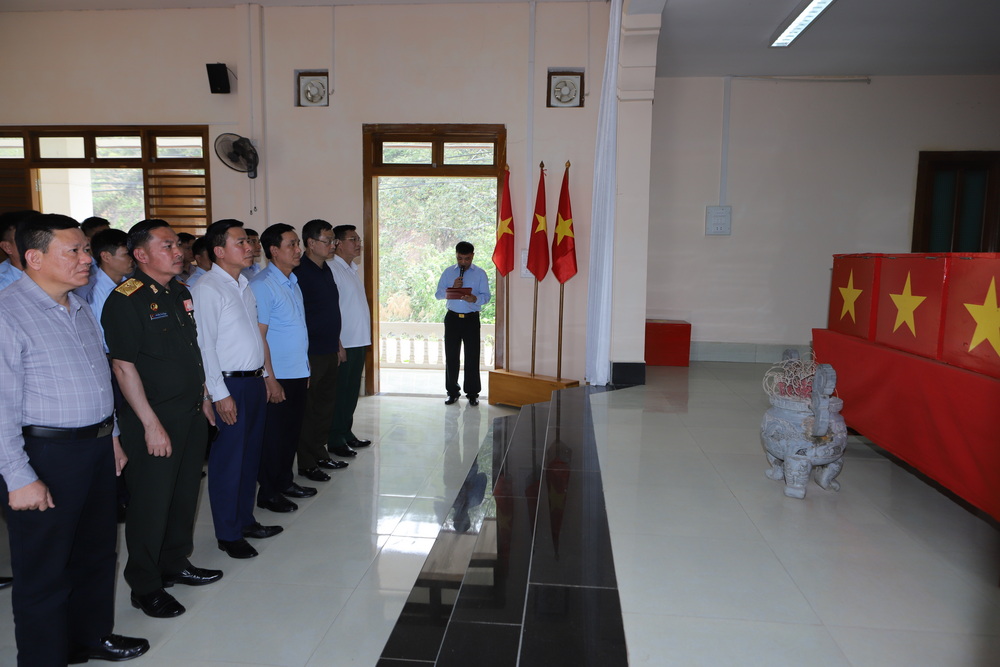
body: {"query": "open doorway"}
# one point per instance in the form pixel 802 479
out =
pixel 426 188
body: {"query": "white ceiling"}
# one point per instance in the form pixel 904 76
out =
pixel 730 37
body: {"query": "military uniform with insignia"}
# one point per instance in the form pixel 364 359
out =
pixel 152 326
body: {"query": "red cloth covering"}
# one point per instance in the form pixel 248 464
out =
pixel 940 419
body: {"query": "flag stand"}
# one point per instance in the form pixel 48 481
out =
pixel 517 388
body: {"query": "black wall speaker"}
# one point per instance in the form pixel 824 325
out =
pixel 218 77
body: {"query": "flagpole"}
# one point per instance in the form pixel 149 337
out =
pixel 562 288
pixel 534 328
pixel 506 320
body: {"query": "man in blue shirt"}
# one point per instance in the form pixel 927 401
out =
pixel 110 251
pixel 10 268
pixel 461 322
pixel 281 317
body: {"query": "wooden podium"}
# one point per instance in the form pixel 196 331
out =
pixel 517 388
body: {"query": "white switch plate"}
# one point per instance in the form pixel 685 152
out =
pixel 718 220
pixel 525 273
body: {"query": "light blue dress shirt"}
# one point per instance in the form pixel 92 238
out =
pixel 475 278
pixel 99 292
pixel 280 307
pixel 8 273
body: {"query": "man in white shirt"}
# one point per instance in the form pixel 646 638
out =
pixel 355 336
pixel 232 352
pixel 110 251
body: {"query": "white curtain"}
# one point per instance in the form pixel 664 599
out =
pixel 602 234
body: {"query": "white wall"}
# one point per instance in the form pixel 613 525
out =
pixel 814 169
pixel 452 63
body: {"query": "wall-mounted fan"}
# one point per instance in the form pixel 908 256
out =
pixel 237 153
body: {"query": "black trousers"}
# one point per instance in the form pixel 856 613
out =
pixel 281 438
pixel 319 409
pixel 159 521
pixel 461 329
pixel 348 390
pixel 63 559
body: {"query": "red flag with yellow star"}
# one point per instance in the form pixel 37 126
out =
pixel 971 336
pixel 854 294
pixel 503 251
pixel 563 240
pixel 911 298
pixel 538 245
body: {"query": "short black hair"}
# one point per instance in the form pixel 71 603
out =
pixel 313 228
pixel 250 232
pixel 199 246
pixel 93 222
pixel 184 237
pixel 272 237
pixel 139 234
pixel 217 233
pixel 107 240
pixel 340 231
pixel 36 232
pixel 464 248
pixel 10 219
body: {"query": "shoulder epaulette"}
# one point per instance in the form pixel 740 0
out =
pixel 129 286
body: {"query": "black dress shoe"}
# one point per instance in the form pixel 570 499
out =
pixel 296 491
pixel 6 582
pixel 473 400
pixel 192 576
pixel 357 443
pixel 343 450
pixel 315 474
pixel 113 648
pixel 259 532
pixel 237 549
pixel 278 503
pixel 451 400
pixel 158 604
pixel 330 464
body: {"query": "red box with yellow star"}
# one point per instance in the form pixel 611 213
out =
pixel 910 306
pixel 971 337
pixel 853 289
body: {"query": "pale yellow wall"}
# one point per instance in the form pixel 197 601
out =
pixel 814 169
pixel 388 64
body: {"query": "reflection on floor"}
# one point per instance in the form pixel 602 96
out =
pixel 714 566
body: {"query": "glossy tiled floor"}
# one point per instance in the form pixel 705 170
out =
pixel 714 565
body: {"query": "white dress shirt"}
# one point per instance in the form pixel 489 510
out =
pixel 356 318
pixel 225 311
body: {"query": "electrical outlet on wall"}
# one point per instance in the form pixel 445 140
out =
pixel 718 220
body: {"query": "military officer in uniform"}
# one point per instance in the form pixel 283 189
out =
pixel 150 331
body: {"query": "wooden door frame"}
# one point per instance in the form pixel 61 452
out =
pixel 373 135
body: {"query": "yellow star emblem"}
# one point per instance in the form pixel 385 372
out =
pixel 987 316
pixel 563 228
pixel 906 304
pixel 541 223
pixel 850 295
pixel 504 228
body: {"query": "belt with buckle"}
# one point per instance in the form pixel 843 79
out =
pixel 105 428
pixel 244 374
pixel 464 315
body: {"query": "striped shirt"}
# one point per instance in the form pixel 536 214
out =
pixel 53 371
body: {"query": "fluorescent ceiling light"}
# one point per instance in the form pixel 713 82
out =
pixel 802 19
